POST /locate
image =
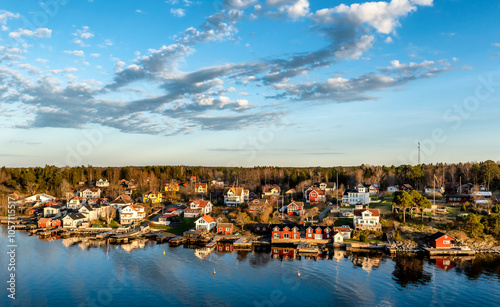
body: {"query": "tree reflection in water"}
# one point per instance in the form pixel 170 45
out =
pixel 409 271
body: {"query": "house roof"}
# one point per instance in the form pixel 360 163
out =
pixel 267 188
pixel 438 235
pixel 208 218
pixel 342 228
pixel 76 216
pixel 44 220
pixel 225 225
pixel 201 203
pixel 201 184
pixel 359 212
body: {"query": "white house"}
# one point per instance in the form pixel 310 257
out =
pixel 41 198
pixel 430 191
pixel 90 212
pixel 196 208
pixel 122 201
pixel 392 189
pixel 234 196
pixel 131 214
pixel 205 223
pixel 52 211
pixel 358 196
pixel 90 193
pixel 102 183
pixel 367 219
pixel 338 238
pixel 345 231
pixel 74 220
pixel 76 202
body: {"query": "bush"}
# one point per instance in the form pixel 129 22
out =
pixel 496 209
pixel 398 237
pixel 363 238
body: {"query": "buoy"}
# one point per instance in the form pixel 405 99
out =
pixel 214 271
pixel 163 252
pixel 298 273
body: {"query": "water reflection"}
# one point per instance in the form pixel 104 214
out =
pixel 409 271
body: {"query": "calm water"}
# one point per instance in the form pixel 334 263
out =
pixel 51 273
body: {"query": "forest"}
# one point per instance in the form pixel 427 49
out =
pixel 55 180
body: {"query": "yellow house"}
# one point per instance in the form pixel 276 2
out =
pixel 200 188
pixel 172 186
pixel 152 197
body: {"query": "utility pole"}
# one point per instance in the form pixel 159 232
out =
pixel 418 153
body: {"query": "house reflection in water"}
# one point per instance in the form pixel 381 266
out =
pixel 366 261
pixel 444 263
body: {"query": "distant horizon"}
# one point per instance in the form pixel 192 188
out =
pixel 215 166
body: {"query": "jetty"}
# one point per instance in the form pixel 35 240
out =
pixel 125 237
pixel 243 244
pixel 307 248
pixel 431 251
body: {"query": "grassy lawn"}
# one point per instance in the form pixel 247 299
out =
pixel 187 223
pixel 343 221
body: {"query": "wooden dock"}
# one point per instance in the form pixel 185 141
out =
pixel 449 252
pixel 50 232
pixel 243 244
pixel 307 248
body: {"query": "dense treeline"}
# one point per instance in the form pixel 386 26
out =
pixel 54 180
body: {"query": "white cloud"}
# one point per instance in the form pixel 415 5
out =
pixel 383 16
pixel 5 15
pixel 388 40
pixel 75 52
pixel 178 12
pixel 43 61
pixel 30 68
pixel 496 44
pixel 40 33
pixel 291 8
pixel 455 59
pixel 238 4
pixel 95 55
pixel 138 11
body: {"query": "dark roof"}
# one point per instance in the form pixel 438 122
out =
pixel 76 216
pixel 458 195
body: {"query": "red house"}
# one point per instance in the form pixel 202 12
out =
pixel 444 263
pixel 228 247
pixel 441 240
pixel 225 228
pixel 48 222
pixel 262 228
pixel 284 253
pixel 44 222
pixel 315 195
pixel 286 233
pixel 318 233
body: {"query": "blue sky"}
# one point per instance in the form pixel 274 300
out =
pixel 248 82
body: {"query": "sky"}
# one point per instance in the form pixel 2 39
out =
pixel 248 82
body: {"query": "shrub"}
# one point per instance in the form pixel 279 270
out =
pixel 363 238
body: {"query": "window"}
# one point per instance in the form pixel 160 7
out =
pixel 257 228
pixel 286 235
pixel 276 235
pixel 446 242
pixel 227 229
